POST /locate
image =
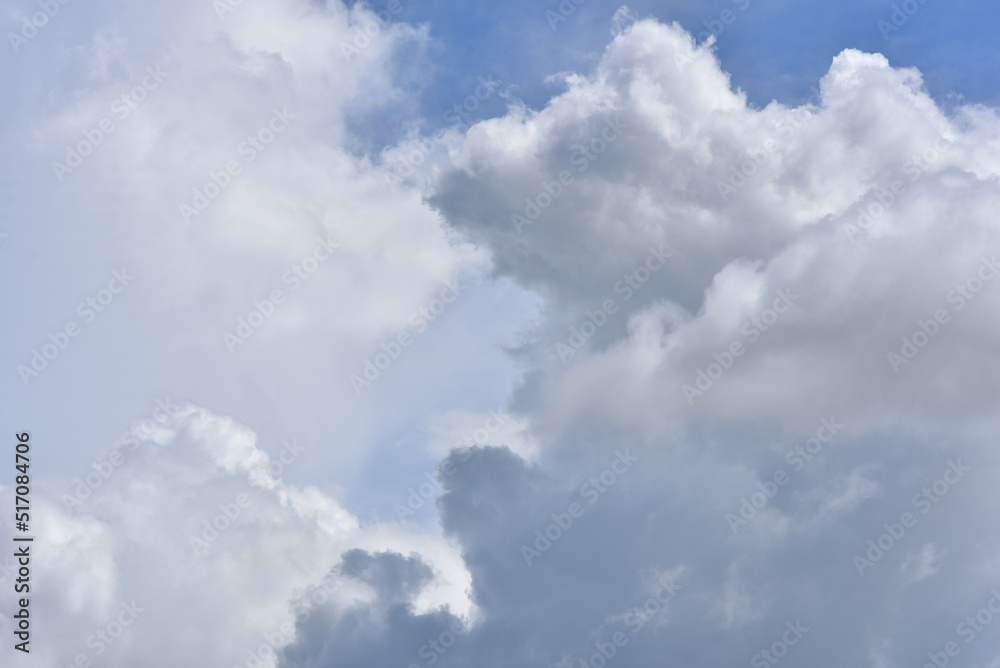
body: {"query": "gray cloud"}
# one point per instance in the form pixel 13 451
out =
pixel 832 563
pixel 775 446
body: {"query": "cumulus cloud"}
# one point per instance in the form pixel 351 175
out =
pixel 813 239
pixel 230 181
pixel 807 243
pixel 197 533
pixel 756 415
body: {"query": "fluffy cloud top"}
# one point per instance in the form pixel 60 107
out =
pixel 756 420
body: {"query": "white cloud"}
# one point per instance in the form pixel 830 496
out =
pixel 458 429
pixel 923 563
pixel 775 306
pixel 209 545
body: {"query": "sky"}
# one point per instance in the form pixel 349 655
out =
pixel 553 335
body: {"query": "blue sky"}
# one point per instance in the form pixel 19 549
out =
pixel 538 362
pixel 774 50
